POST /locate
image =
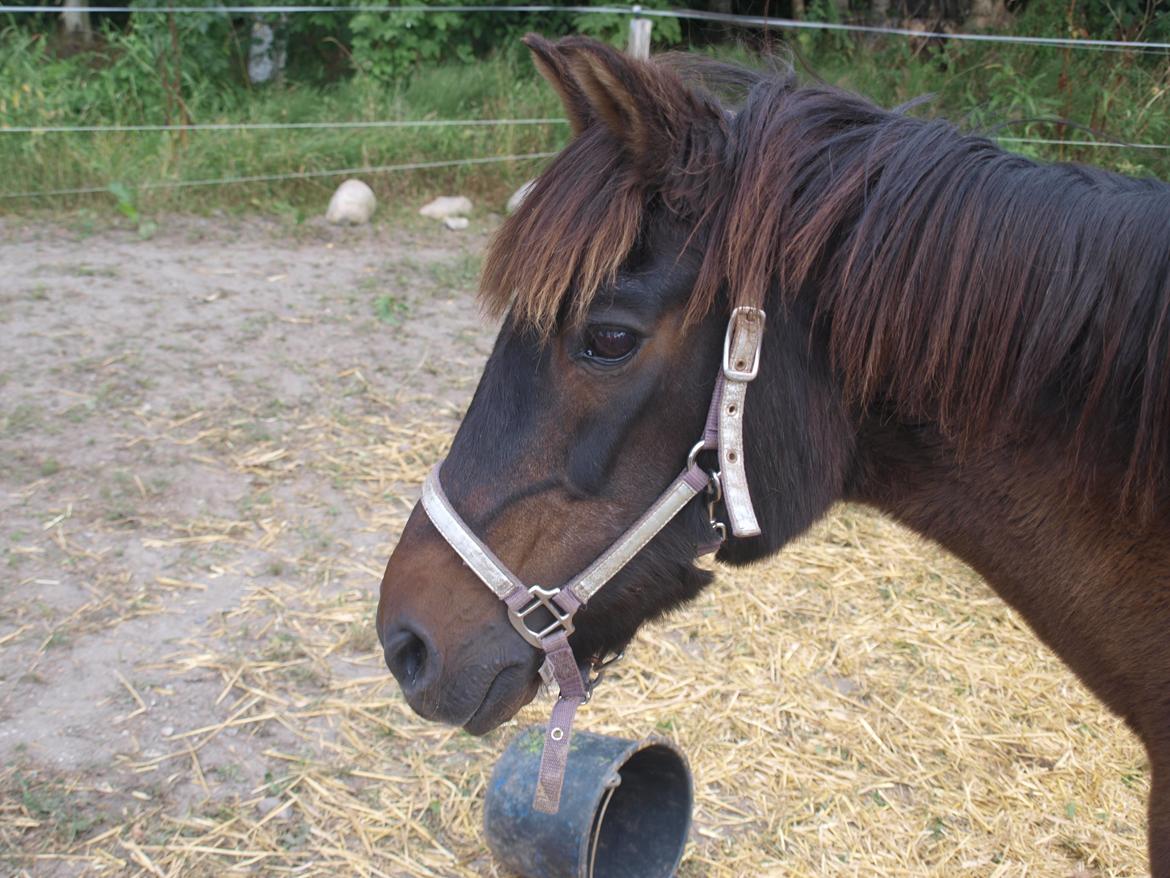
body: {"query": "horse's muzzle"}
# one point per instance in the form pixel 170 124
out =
pixel 477 694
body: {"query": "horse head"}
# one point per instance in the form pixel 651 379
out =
pixel 599 384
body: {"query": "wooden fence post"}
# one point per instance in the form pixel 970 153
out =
pixel 640 35
pixel 75 20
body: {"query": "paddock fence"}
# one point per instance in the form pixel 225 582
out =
pixel 638 16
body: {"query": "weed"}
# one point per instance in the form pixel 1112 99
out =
pixel 22 418
pixel 458 275
pixel 83 270
pixel 50 802
pixel 391 309
pixel 229 771
pixel 57 640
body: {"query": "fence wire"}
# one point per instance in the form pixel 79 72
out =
pixel 296 175
pixel 272 126
pixel 1103 144
pixel 752 21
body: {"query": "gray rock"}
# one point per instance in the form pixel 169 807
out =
pixel 352 204
pixel 445 206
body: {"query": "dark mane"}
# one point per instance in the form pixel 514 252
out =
pixel 574 230
pixel 958 284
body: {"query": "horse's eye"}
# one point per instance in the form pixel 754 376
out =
pixel 608 344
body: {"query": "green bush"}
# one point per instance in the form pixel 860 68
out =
pixel 389 45
pixel 448 65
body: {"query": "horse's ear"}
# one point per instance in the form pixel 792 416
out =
pixel 554 67
pixel 647 107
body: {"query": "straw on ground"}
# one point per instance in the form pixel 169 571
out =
pixel 867 707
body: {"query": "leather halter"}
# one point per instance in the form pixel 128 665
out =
pixel 723 433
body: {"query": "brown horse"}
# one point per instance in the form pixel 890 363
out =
pixel 974 343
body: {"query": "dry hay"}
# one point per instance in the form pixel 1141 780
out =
pixel 861 705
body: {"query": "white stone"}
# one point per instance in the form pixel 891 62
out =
pixel 445 206
pixel 353 203
pixel 455 223
pixel 519 195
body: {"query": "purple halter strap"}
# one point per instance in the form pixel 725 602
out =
pixel 723 433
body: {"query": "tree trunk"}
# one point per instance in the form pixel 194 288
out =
pixel 75 21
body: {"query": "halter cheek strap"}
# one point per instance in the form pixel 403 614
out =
pixel 723 433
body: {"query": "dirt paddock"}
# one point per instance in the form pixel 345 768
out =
pixel 208 443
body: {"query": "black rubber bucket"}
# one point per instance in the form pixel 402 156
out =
pixel 625 809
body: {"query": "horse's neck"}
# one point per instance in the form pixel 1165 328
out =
pixel 1002 510
pixel 1078 572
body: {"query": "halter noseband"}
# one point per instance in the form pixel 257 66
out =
pixel 723 433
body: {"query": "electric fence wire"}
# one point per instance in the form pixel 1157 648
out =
pixel 754 21
pixel 695 15
pixel 442 123
pixel 297 175
pixel 1104 144
pixel 272 126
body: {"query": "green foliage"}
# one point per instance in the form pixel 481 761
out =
pixel 128 208
pixel 391 309
pixel 830 41
pixel 1124 19
pixel 614 27
pixel 1020 91
pixel 39 88
pixel 387 46
pixel 159 68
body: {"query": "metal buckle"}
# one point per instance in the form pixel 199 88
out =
pixel 714 495
pixel 749 314
pixel 714 490
pixel 541 597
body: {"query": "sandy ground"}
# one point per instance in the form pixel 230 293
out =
pixel 165 447
pixel 208 441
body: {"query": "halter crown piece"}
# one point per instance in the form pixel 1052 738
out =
pixel 723 433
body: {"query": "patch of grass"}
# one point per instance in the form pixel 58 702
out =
pixel 229 771
pixel 391 309
pixel 282 647
pixel 57 640
pixel 462 273
pixel 50 802
pixel 83 270
pixel 21 418
pixel 977 85
pixel 121 164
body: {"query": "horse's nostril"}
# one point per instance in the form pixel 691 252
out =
pixel 410 659
pixel 414 657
